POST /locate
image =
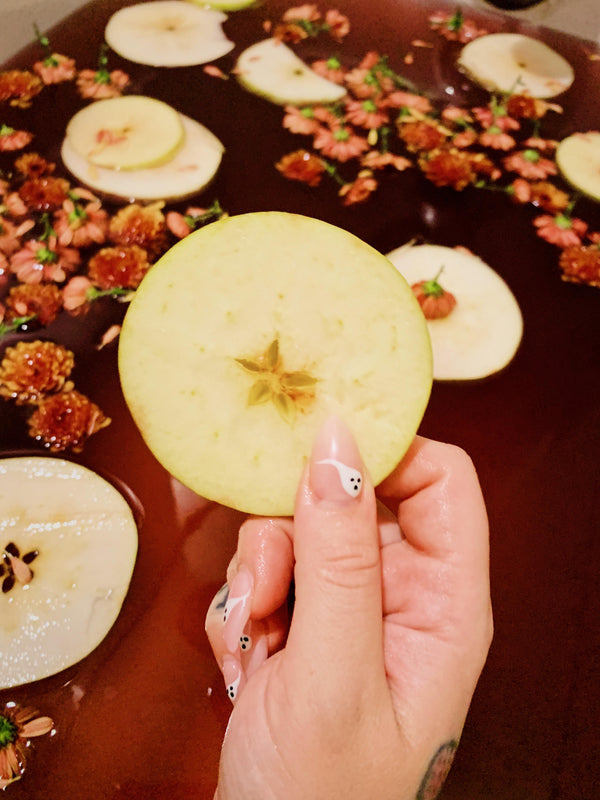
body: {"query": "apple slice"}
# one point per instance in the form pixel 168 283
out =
pixel 272 70
pixel 249 333
pixel 168 33
pixel 482 333
pixel 513 62
pixel 127 132
pixel 68 543
pixel 190 170
pixel 578 159
pixel 226 5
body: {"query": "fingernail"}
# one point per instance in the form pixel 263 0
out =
pixel 335 464
pixel 233 676
pixel 258 652
pixel 237 609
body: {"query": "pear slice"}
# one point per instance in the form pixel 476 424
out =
pixel 513 62
pixel 190 170
pixel 85 537
pixel 272 70
pixel 168 33
pixel 129 132
pixel 249 333
pixel 578 159
pixel 482 333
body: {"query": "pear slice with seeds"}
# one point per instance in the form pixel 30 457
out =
pixel 168 33
pixel 272 70
pixel 513 62
pixel 76 541
pixel 249 333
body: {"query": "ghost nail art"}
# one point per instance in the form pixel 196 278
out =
pixel 350 478
pixel 245 642
pixel 232 674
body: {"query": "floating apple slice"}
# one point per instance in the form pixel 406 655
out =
pixel 168 33
pixel 246 335
pixel 578 159
pixel 69 541
pixel 190 170
pixel 272 70
pixel 226 5
pixel 127 132
pixel 513 62
pixel 481 334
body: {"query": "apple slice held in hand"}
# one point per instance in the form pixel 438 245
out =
pixel 129 132
pixel 249 333
pixel 187 173
pixel 272 70
pixel 68 544
pixel 513 62
pixel 578 159
pixel 168 33
pixel 482 332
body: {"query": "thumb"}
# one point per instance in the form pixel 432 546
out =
pixel 337 622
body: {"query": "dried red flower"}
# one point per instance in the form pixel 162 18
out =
pixel 451 167
pixel 41 300
pixel 581 264
pixel 560 229
pixel 33 165
pixel 302 166
pixel 360 189
pixel 19 87
pixel 65 421
pixel 11 139
pixel 19 725
pixel 122 267
pixel 421 135
pixel 144 226
pixel 44 194
pixel 30 370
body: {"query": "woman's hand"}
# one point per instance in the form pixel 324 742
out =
pixel 366 694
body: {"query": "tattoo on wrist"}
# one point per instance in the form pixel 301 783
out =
pixel 437 771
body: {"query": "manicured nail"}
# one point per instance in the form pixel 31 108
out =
pixel 233 676
pixel 335 464
pixel 255 656
pixel 237 609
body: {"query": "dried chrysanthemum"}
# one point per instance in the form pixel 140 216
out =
pixel 118 267
pixel 30 370
pixel 435 301
pixel 422 135
pixel 144 226
pixel 65 421
pixel 40 300
pixel 44 194
pixel 11 139
pixel 33 165
pixel 581 264
pixel 19 87
pixel 450 167
pixel 302 166
pixel 360 189
pixel 17 726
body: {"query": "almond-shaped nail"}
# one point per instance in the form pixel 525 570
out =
pixel 237 608
pixel 335 471
pixel 233 676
